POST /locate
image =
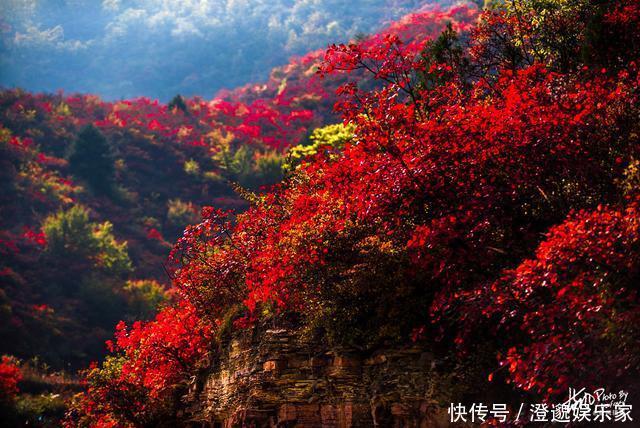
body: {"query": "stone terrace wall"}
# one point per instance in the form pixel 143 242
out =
pixel 277 379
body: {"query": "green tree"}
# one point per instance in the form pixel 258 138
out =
pixel 73 238
pixel 330 137
pixel 69 234
pixel 235 164
pixel 113 256
pixel 91 159
pixel 178 103
pixel 446 49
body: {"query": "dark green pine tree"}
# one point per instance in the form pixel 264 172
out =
pixel 91 159
pixel 178 102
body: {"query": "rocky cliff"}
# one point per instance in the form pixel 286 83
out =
pixel 277 378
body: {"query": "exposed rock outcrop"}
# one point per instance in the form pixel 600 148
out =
pixel 277 378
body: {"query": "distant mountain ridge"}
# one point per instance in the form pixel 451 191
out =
pixel 159 48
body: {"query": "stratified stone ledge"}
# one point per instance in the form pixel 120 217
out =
pixel 279 379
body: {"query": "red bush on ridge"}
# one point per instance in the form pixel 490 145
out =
pixel 161 352
pixel 157 357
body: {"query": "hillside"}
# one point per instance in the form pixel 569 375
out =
pixel 484 213
pixel 95 193
pixel 462 185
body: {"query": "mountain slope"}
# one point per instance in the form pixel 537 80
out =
pixel 74 162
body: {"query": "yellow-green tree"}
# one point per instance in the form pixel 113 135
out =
pixel 331 138
pixel 72 237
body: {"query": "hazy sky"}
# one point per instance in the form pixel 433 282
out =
pixel 157 48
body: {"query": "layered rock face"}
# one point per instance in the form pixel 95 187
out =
pixel 276 378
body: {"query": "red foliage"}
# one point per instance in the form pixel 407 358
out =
pixel 153 233
pixel 471 175
pixel 36 238
pixel 463 179
pixel 10 375
pixel 154 360
pixel 299 84
pixel 576 304
pixel 43 308
pixel 162 352
pixel 21 143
